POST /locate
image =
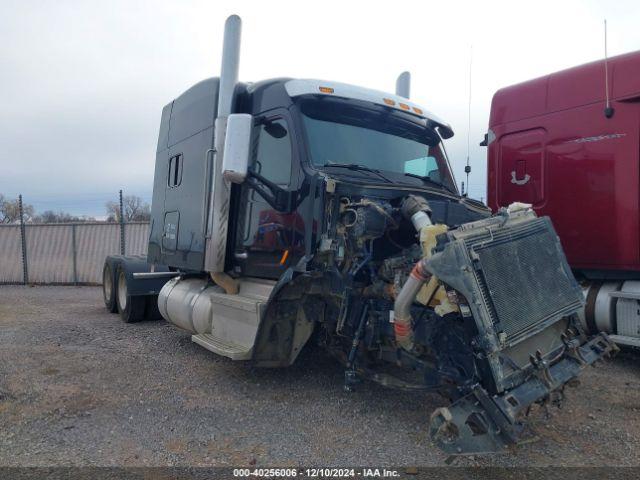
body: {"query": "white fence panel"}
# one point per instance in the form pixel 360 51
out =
pixel 94 242
pixel 136 238
pixel 49 253
pixel 10 254
pixel 66 253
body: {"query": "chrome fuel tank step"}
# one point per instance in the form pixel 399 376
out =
pixel 225 324
pixel 219 346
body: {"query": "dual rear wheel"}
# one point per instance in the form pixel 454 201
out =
pixel 132 308
pixel 108 292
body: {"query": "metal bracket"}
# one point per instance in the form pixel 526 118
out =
pixel 572 347
pixel 541 367
pixel 473 424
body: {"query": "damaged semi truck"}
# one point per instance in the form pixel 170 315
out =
pixel 288 211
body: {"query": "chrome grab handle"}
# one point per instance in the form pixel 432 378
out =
pixel 207 187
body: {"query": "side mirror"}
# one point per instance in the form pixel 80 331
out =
pixel 237 142
pixel 276 130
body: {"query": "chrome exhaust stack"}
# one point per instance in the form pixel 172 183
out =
pixel 219 197
pixel 230 64
pixel 403 85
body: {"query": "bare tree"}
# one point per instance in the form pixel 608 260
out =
pixel 135 210
pixel 49 216
pixel 10 210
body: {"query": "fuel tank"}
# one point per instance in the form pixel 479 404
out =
pixel 225 324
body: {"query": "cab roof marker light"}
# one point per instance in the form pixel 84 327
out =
pixel 299 87
pixel 326 89
pixel 404 106
pixel 389 102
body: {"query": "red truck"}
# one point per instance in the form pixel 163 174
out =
pixel 568 144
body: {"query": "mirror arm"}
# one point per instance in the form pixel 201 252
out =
pixel 268 183
pixel 274 195
pixel 269 198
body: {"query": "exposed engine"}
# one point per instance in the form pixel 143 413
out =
pixel 484 313
pixel 473 312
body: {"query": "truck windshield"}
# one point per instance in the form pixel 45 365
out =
pixel 345 133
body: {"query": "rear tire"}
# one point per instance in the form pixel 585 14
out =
pixel 108 292
pixel 152 312
pixel 131 308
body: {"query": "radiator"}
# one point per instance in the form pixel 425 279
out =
pixel 512 271
pixel 523 277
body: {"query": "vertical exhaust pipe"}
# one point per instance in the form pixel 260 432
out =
pixel 218 217
pixel 230 64
pixel 403 85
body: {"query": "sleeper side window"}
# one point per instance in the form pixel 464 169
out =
pixel 175 171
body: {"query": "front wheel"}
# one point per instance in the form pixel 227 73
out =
pixel 131 308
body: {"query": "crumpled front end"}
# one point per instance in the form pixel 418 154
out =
pixel 408 293
pixel 483 423
pixel 524 300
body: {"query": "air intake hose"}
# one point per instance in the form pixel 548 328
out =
pixel 417 210
pixel 402 326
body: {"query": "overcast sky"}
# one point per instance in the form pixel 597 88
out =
pixel 83 83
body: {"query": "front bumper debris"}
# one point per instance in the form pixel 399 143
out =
pixel 479 423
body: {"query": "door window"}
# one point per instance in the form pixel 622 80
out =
pixel 266 232
pixel 272 151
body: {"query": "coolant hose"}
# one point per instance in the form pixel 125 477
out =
pixel 402 307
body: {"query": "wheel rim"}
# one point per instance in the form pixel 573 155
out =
pixel 107 284
pixel 122 291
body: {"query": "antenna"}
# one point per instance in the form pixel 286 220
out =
pixel 467 168
pixel 608 110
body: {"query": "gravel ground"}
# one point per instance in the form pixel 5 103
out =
pixel 79 387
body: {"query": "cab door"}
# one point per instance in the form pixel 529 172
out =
pixel 521 167
pixel 265 236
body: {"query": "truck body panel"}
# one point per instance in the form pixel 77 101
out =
pixel 182 178
pixel 554 148
pixel 558 143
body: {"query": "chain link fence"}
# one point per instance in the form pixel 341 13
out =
pixel 65 253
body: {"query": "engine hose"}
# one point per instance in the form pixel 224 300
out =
pixel 402 327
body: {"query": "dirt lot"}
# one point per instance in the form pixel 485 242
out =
pixel 79 387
